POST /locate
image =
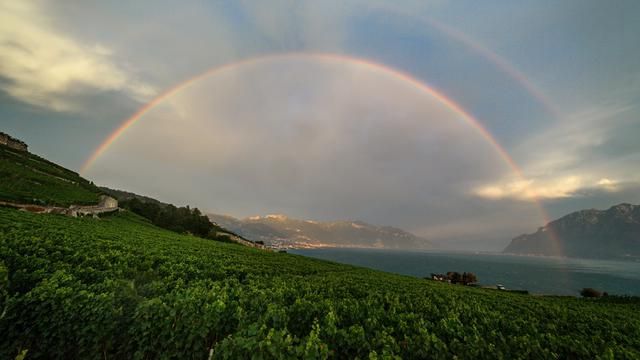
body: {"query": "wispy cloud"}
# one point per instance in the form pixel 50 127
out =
pixel 571 186
pixel 530 189
pixel 44 67
pixel 608 184
pixel 565 160
pixel 566 144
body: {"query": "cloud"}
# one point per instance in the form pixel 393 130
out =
pixel 312 139
pixel 572 186
pixel 572 157
pixel 47 68
pixel 607 184
pixel 531 189
pixel 327 143
pixel 567 143
pixel 297 25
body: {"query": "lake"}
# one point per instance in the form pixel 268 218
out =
pixel 539 275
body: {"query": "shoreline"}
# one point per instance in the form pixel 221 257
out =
pixel 545 276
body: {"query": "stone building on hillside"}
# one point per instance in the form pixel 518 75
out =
pixel 108 202
pixel 106 205
pixel 8 140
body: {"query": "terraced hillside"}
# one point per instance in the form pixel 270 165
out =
pixel 28 178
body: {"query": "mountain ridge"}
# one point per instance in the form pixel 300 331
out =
pixel 589 233
pixel 279 230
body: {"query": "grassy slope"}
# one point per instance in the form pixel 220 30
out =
pixel 120 287
pixel 28 178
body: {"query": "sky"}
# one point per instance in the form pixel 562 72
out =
pixel 465 122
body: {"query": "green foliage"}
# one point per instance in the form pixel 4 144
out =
pixel 469 278
pixel 4 285
pixel 22 355
pixel 179 219
pixel 27 178
pixel 122 288
pixel 456 278
pixel 590 293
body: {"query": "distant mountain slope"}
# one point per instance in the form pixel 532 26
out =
pixel 28 178
pixel 279 230
pixel 611 233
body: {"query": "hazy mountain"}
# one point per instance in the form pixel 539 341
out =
pixel 611 233
pixel 279 230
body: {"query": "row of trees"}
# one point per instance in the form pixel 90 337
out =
pixel 184 220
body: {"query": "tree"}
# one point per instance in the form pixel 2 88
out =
pixel 179 219
pixel 454 277
pixel 469 278
pixel 590 293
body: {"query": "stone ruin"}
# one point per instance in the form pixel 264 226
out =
pixel 106 205
pixel 10 141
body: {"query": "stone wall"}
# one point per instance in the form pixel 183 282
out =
pixel 106 205
pixel 107 202
pixel 12 142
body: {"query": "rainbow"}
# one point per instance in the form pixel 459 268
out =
pixel 475 46
pixel 500 62
pixel 327 58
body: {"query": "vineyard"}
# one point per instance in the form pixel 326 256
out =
pixel 119 287
pixel 28 178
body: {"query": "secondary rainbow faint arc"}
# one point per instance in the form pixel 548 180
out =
pixel 331 58
pixel 497 60
pixel 474 45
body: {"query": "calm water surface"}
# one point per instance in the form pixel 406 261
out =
pixel 541 275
